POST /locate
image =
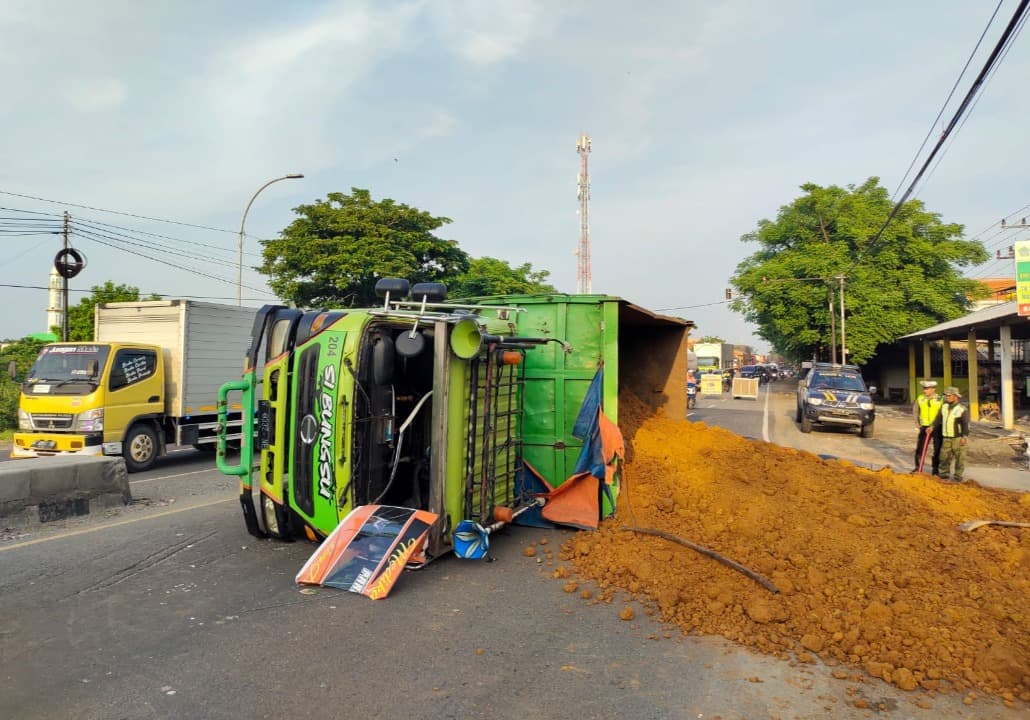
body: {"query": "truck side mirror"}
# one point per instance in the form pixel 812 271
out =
pixel 12 370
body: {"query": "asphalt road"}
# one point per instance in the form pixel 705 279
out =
pixel 168 609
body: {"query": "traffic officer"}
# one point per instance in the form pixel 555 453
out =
pixel 925 410
pixel 953 422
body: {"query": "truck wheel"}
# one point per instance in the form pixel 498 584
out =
pixel 139 448
pixel 867 430
pixel 797 414
pixel 806 424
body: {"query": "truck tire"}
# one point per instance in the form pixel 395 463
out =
pixel 139 448
pixel 797 414
pixel 867 430
pixel 806 424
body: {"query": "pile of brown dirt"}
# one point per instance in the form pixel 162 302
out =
pixel 871 568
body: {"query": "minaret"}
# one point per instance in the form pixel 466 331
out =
pixel 55 306
pixel 583 280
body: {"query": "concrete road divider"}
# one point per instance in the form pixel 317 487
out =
pixel 54 488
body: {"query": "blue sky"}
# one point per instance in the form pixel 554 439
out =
pixel 705 117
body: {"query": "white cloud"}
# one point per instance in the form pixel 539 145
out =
pixel 98 95
pixel 485 34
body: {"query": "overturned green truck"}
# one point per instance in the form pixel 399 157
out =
pixel 434 405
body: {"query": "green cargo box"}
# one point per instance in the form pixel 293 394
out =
pixel 641 351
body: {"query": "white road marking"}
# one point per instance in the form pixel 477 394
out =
pixel 765 416
pixel 169 477
pixel 83 531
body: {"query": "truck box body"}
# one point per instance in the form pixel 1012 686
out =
pixel 639 350
pixel 203 345
pixel 714 357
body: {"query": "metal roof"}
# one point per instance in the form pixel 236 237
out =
pixel 985 322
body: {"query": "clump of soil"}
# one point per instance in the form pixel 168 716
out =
pixel 871 568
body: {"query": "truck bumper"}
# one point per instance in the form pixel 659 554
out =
pixel 840 416
pixel 29 445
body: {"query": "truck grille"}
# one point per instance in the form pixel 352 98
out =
pixel 304 453
pixel 51 421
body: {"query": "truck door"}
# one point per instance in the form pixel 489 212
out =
pixel 135 388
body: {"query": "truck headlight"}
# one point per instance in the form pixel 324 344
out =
pixel 815 401
pixel 866 406
pixel 24 422
pixel 90 421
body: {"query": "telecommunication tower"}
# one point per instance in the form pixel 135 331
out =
pixel 583 193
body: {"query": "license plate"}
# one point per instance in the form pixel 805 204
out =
pixel 45 444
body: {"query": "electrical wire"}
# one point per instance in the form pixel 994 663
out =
pixel 175 295
pixel 98 239
pixel 116 236
pixel 972 109
pixel 93 223
pixel 1002 43
pixel 118 212
pixel 947 100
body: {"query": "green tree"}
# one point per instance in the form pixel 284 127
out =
pixel 80 316
pixel 906 280
pixel 490 276
pixel 333 253
pixel 22 353
pixel 711 339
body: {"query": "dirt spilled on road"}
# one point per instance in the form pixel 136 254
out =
pixel 872 571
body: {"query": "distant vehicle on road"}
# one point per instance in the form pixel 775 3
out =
pixel 751 371
pixel 835 395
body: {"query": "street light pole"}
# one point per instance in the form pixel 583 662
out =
pixel 239 272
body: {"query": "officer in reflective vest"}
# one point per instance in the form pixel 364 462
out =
pixel 953 421
pixel 925 411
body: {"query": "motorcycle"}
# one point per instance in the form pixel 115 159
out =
pixel 691 395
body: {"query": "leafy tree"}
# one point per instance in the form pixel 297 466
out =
pixel 906 280
pixel 490 276
pixel 23 353
pixel 711 339
pixel 80 316
pixel 333 253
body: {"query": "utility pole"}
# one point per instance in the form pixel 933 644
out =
pixel 833 328
pixel 64 286
pixel 843 346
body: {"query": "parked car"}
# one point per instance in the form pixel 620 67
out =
pixel 835 395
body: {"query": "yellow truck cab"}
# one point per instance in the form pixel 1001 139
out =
pixel 83 398
pixel 150 380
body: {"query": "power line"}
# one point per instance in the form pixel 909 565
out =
pixel 118 212
pixel 100 225
pixel 948 99
pixel 175 295
pixel 990 76
pixel 132 239
pixel 92 222
pixel 123 239
pixel 97 239
pixel 691 307
pixel 977 84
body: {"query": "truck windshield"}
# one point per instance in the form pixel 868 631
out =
pixel 67 368
pixel 703 362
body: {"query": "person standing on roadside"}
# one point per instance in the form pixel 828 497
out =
pixel 925 410
pixel 953 422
